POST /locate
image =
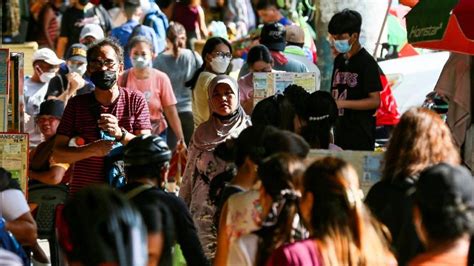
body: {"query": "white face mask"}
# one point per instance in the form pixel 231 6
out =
pixel 219 64
pixel 140 62
pixel 79 69
pixel 45 77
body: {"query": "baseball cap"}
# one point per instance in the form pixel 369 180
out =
pixel 444 185
pixel 77 52
pixel 92 30
pixel 47 55
pixel 294 34
pixel 273 36
pixel 52 107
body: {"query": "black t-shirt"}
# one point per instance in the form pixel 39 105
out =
pixel 71 25
pixel 58 85
pixel 185 230
pixel 354 79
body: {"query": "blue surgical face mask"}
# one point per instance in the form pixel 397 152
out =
pixel 342 46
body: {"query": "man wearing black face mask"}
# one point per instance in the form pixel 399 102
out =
pixel 71 26
pixel 117 112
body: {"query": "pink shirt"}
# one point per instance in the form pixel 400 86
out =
pixel 158 93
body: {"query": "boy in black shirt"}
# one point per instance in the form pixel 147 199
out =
pixel 355 84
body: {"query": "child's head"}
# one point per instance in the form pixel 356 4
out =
pixel 297 96
pixel 132 9
pixel 141 51
pixel 259 59
pixel 268 11
pixel 319 115
pixel 344 28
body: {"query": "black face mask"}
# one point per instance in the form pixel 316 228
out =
pixel 104 80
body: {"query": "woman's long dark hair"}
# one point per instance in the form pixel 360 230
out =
pixel 320 114
pixel 207 49
pixel 279 175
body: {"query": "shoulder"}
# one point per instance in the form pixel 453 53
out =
pixel 299 253
pixel 158 74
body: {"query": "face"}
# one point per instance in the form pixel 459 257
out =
pixel 48 125
pixel 87 40
pixel 181 40
pixel 268 15
pixel 105 59
pixel 223 101
pixel 155 248
pixel 219 50
pixel 351 38
pixel 261 66
pixel 141 49
pixel 43 67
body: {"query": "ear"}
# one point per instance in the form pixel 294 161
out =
pixel 120 68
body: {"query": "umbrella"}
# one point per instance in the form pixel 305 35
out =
pixel 442 25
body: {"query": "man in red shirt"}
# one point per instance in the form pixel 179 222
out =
pixel 117 112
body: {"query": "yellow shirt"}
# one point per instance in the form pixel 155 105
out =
pixel 200 98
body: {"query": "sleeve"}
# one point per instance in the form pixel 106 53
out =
pixel 66 126
pixel 186 185
pixel 167 96
pixel 55 87
pixel 142 114
pixel 187 235
pixel 13 204
pixel 371 78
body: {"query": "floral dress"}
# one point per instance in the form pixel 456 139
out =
pixel 202 167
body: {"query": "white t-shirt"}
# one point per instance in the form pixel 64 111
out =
pixel 34 94
pixel 12 204
pixel 243 251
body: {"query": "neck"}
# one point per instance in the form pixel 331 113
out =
pixel 354 50
pixel 107 97
pixel 141 73
pixel 244 178
pixel 460 245
pixel 36 78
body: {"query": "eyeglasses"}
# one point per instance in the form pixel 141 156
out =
pixel 223 55
pixel 96 63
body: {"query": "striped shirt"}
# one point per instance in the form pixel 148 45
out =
pixel 78 119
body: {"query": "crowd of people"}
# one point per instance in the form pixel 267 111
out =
pixel 119 91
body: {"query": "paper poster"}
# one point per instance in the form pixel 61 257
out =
pixel 14 156
pixel 3 113
pixel 4 71
pixel 367 164
pixel 268 84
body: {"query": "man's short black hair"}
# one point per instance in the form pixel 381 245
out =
pixel 95 47
pixel 346 21
pixel 264 4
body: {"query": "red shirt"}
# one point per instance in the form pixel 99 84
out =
pixel 131 110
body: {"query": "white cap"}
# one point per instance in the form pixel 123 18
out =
pixel 92 30
pixel 47 55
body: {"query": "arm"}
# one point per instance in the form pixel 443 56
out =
pixel 46 23
pixel 222 239
pixel 185 191
pixel 369 103
pixel 202 23
pixel 172 114
pixel 23 228
pixel 74 82
pixel 62 153
pixel 62 42
pixel 53 176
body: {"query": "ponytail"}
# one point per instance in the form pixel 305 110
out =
pixel 174 31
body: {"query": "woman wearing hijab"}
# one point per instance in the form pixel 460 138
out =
pixel 228 119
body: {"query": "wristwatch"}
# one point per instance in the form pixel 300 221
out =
pixel 124 133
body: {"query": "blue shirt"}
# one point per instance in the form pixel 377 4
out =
pixel 122 34
pixel 158 21
pixel 285 21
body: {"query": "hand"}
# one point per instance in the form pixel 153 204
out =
pixel 181 145
pixel 75 81
pixel 100 148
pixel 109 123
